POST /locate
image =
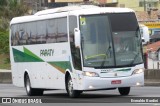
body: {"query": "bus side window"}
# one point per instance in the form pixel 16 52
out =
pixel 33 33
pixel 27 33
pixel 14 38
pixel 62 30
pixel 41 33
pixel 51 31
pixel 24 36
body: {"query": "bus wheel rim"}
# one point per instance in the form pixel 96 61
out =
pixel 70 87
pixel 28 85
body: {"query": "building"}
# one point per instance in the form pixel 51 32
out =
pixel 149 4
pixel 144 12
pixel 60 3
pixel 137 5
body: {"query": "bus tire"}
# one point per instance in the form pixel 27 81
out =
pixel 124 91
pixel 72 93
pixel 31 91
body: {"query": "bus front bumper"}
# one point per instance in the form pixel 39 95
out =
pixel 97 83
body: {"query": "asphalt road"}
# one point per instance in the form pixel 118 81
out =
pixel 105 96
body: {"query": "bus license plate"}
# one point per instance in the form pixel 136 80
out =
pixel 116 82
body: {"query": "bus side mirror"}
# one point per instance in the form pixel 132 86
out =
pixel 77 38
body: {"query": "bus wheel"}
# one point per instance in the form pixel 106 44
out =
pixel 124 90
pixel 30 91
pixel 72 93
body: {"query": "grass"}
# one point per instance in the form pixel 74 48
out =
pixel 4 61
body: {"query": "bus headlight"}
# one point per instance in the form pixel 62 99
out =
pixel 90 74
pixel 138 71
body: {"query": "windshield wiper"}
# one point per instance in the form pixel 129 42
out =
pixel 137 30
pixel 108 50
pixel 134 58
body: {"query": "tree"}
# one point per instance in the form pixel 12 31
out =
pixel 4 42
pixel 16 8
pixel 3 3
pixel 8 10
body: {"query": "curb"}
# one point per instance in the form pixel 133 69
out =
pixel 5 77
pixel 152 84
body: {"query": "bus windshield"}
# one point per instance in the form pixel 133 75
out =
pixel 110 40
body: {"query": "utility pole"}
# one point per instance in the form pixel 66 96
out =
pixel 144 5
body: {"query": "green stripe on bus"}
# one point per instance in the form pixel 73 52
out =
pixel 28 52
pixel 61 65
pixel 20 56
pixel 128 69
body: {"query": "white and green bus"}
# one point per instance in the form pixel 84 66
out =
pixel 77 48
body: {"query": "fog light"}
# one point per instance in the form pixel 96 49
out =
pixel 90 87
pixel 138 83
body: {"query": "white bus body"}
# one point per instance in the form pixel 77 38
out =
pixel 76 48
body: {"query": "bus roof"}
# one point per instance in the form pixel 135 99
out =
pixel 74 10
pixel 65 9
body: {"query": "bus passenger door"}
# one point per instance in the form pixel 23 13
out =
pixel 75 51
